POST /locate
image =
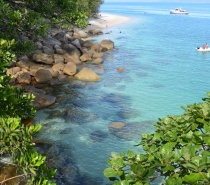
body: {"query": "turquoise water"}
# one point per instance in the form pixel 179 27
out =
pixel 163 71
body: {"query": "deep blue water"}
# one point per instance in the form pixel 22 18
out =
pixel 163 71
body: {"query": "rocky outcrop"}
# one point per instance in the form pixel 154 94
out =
pixel 59 56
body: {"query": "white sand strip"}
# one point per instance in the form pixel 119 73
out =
pixel 107 20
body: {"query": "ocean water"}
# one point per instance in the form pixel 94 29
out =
pixel 163 71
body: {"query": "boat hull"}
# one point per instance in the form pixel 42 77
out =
pixel 203 50
pixel 175 12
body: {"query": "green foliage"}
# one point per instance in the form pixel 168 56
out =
pixel 33 17
pixel 178 151
pixel 15 138
pixel 14 103
pixel 5 56
pixel 25 20
pixel 24 47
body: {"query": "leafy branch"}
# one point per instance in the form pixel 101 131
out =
pixel 178 151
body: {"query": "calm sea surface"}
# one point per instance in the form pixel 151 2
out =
pixel 163 71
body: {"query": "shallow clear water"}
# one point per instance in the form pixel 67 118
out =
pixel 163 71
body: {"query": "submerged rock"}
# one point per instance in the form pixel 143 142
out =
pixel 129 131
pixel 98 135
pixel 78 116
pixel 42 100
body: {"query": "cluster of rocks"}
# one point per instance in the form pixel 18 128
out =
pixel 59 56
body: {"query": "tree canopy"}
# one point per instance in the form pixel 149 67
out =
pixel 25 20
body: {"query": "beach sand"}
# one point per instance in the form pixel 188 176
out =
pixel 106 20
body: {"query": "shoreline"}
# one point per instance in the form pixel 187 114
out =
pixel 105 20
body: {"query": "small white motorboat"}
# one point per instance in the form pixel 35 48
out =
pixel 179 11
pixel 202 49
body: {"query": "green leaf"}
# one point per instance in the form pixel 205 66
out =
pixel 168 168
pixel 32 171
pixel 124 182
pixel 110 172
pixel 193 177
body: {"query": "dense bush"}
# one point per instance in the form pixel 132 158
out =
pixel 15 138
pixel 178 151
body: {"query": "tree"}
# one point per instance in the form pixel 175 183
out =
pixel 178 151
pixel 27 20
pixel 15 138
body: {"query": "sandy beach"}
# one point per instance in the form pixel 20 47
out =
pixel 106 20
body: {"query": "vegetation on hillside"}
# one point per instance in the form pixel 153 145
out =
pixel 178 151
pixel 22 23
pixel 26 20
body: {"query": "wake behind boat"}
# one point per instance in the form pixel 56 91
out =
pixel 179 11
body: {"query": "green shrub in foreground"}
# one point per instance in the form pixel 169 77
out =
pixel 15 138
pixel 178 151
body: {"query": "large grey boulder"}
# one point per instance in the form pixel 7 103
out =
pixel 77 44
pixel 48 50
pixel 59 50
pixel 87 74
pixel 43 58
pixel 50 42
pixel 43 76
pixel 61 36
pixel 70 48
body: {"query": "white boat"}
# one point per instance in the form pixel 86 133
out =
pixel 179 11
pixel 202 49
